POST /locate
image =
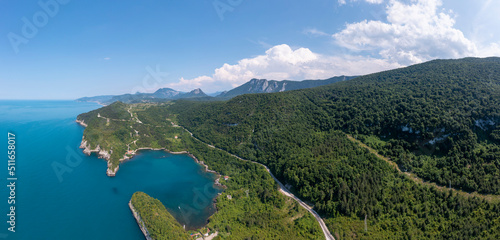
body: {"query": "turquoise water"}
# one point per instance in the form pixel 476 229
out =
pixel 82 202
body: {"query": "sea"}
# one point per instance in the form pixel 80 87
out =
pixel 60 193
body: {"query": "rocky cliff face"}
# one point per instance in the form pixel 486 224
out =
pixel 101 153
pixel 272 86
pixel 139 221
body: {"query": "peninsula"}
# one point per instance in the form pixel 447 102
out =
pixel 155 221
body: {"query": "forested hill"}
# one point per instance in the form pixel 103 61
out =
pixel 438 119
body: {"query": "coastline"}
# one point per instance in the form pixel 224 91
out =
pixel 139 221
pixel 104 154
pixel 82 123
pixel 206 169
pixel 101 153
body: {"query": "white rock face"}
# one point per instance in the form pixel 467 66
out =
pixel 139 221
pixel 484 124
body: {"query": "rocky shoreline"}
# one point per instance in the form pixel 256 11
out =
pixel 139 221
pixel 134 152
pixel 82 123
pixel 101 153
pixel 104 154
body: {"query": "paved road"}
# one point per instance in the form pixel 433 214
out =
pixel 282 188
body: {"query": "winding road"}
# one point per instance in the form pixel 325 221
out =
pixel 282 187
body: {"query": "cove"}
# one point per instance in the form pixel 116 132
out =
pixel 84 203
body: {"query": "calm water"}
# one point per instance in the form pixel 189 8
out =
pixel 83 203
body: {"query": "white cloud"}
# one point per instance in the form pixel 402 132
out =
pixel 414 33
pixel 493 49
pixel 282 62
pixel 375 1
pixel 342 2
pixel 315 32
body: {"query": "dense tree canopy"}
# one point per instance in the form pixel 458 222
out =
pixel 439 120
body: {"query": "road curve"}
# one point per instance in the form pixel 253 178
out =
pixel 282 188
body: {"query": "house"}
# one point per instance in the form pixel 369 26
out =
pixel 196 235
pixel 226 178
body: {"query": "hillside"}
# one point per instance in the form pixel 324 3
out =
pixel 437 120
pixel 256 207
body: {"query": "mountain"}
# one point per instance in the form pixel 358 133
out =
pixel 167 93
pixel 253 86
pixel 97 99
pixel 161 95
pixel 197 93
pixel 271 86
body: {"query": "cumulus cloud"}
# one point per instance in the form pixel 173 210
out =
pixel 413 33
pixel 282 62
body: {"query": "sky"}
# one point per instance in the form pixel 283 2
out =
pixel 67 49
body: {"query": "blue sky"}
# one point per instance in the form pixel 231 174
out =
pixel 66 49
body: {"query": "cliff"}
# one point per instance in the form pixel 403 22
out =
pixel 101 153
pixel 139 220
pixel 154 220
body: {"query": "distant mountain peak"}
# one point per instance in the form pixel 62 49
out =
pixel 256 85
pixel 197 91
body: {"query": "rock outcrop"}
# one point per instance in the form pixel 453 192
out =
pixel 82 122
pixel 101 153
pixel 139 221
pixel 111 172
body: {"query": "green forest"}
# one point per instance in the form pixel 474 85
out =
pixel 437 120
pixel 256 209
pixel 160 224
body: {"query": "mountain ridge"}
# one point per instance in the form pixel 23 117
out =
pixel 250 87
pixel 271 86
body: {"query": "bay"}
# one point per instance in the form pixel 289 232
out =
pixel 63 194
